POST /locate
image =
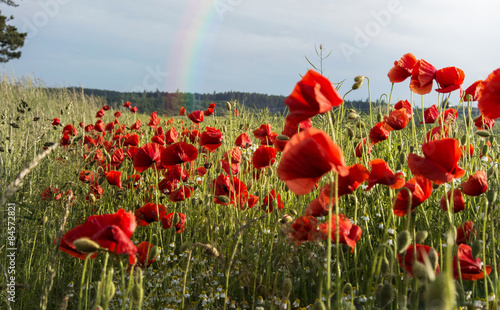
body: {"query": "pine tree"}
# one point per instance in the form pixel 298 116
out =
pixel 10 39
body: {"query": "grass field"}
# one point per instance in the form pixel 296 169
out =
pixel 225 230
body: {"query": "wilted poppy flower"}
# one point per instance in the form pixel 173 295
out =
pixel 196 116
pixel 178 153
pixel 292 127
pixel 132 140
pixel 489 98
pixel 458 201
pixel 166 221
pixel 397 119
pixel 402 68
pixel 182 111
pixel 171 136
pixel 56 122
pixel 440 160
pixel 148 155
pixel 263 157
pixel 149 213
pixel 473 92
pixel 313 95
pixel 382 174
pixel 431 114
pixel 422 76
pixel 145 253
pixel 466 233
pixel 243 141
pixel 114 178
pixel 420 189
pixel 110 231
pixel 182 193
pixel 449 79
pixel 404 104
pixel 133 110
pixel 410 257
pixel 378 133
pixel 471 269
pixel 362 147
pixel 272 200
pixel 308 155
pixel 476 184
pixel 349 233
pixel 211 139
pixel 301 228
pixel 484 123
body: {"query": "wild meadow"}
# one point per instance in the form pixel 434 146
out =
pixel 324 207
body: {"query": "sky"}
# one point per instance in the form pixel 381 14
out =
pixel 249 45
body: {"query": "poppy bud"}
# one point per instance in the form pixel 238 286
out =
pixel 153 253
pixel 463 140
pixel 384 267
pixel 249 185
pixel 86 245
pixel 228 105
pixel 223 199
pixel 270 172
pixel 402 158
pixel 356 85
pixel 484 150
pixel 360 124
pixel 441 293
pixel 380 117
pixel 287 287
pixel 286 219
pixel 359 78
pixel 319 305
pixel 210 250
pixel 483 133
pixel 492 170
pixel 476 118
pixel 283 137
pixel 476 249
pixel 420 271
pixel 293 212
pixel 137 293
pixel 352 115
pixel 421 236
pixel 491 195
pixel 433 258
pixel 350 132
pixel 385 293
pixel 403 241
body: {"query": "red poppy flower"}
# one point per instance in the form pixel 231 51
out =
pixel 308 155
pixel 382 174
pixel 467 150
pixel 489 98
pixel 302 228
pixel 99 126
pixel 182 111
pixel 176 173
pixel 127 104
pixel 420 189
pixel 231 187
pixel 439 163
pixel 148 155
pixel 182 193
pixel 166 221
pixel 252 200
pixel 100 113
pixel 110 231
pixel 178 153
pixel 397 119
pixel 349 233
pixel 236 112
pixel 89 127
pixel 132 140
pixel 234 154
pixel 154 121
pixel 201 171
pixel 292 127
pixel 263 133
pixel 158 139
pixel 280 143
pixel 114 178
pixel 404 104
pixel 144 253
pixel 378 133
pixel 243 141
pixel 357 174
pixel 484 123
pixel 449 116
pixel 69 130
pixel 431 114
pixel 473 92
pixel 149 213
pixel 272 200
pixel 87 176
pixel 458 201
pixel 361 148
pixel 321 205
pixel 422 251
pixel 422 76
pixel 133 110
pixel 49 193
pixel 131 151
pixel 471 269
pixel 196 116
pixel 192 135
pixel 211 139
pixel 230 168
pixel 171 136
pixel 313 95
pixel 56 122
pixel 208 112
pixel 436 133
pixel 476 184
pixel 65 140
pixel 466 233
pixel 109 127
pixel 136 126
pixel 263 157
pixel 118 114
pixel 402 68
pixel 449 79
